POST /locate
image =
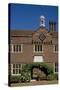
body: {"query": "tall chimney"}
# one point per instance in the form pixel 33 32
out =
pixel 52 26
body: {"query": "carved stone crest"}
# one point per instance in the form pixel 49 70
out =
pixel 42 37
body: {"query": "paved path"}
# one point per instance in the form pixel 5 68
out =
pixel 35 83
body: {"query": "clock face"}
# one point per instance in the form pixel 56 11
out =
pixel 42 37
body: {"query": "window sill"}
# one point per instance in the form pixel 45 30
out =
pixel 39 52
pixel 15 52
pixel 15 74
pixel 55 52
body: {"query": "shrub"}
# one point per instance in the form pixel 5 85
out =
pixel 46 69
pixel 56 76
pixel 14 79
pixel 26 73
pixel 25 77
pixel 50 77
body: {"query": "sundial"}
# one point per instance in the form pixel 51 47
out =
pixel 42 37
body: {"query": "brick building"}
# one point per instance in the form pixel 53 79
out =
pixel 28 46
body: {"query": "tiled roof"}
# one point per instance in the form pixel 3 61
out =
pixel 28 33
pixel 21 33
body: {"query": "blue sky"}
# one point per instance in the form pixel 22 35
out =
pixel 27 17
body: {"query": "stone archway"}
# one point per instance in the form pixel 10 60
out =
pixel 37 73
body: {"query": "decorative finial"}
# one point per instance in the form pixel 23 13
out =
pixel 42 21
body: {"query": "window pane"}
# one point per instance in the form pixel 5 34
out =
pixel 35 47
pixel 16 48
pixel 19 71
pixel 19 47
pixel 13 71
pixel 17 66
pixel 13 65
pixel 56 67
pixel 40 47
pixel 56 47
pixel 16 71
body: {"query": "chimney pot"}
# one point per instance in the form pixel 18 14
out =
pixel 52 26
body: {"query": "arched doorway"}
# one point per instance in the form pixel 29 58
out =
pixel 37 73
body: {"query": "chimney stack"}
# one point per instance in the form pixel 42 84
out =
pixel 52 26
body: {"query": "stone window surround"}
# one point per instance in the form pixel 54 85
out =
pixel 55 68
pixel 12 46
pixel 54 51
pixel 37 49
pixel 15 69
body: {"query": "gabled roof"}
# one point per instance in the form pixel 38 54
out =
pixel 41 28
